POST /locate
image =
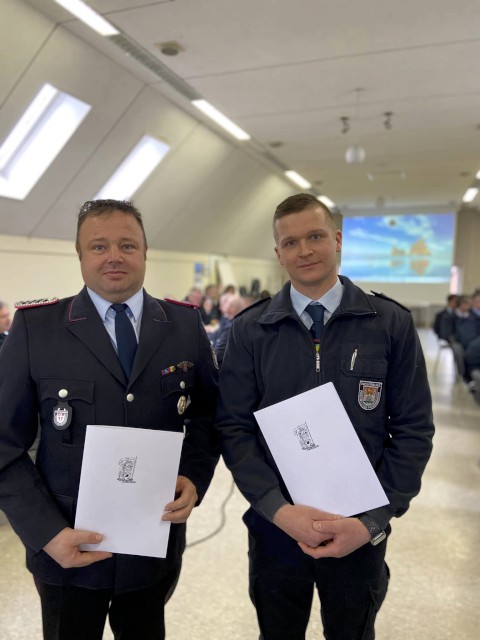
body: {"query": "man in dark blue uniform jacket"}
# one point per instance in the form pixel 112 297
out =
pixel 63 355
pixel 368 347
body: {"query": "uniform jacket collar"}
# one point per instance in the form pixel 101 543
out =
pixel 85 323
pixel 354 302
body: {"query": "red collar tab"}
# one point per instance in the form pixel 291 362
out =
pixel 182 303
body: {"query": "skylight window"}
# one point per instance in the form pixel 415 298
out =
pixel 134 170
pixel 37 138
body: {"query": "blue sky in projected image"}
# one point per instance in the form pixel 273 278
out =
pixel 406 248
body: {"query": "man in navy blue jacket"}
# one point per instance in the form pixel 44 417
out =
pixel 368 347
pixel 60 360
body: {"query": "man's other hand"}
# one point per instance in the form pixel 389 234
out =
pixel 185 499
pixel 64 548
pixel 343 536
pixel 297 522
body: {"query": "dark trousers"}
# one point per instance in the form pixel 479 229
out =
pixel 283 578
pixel 76 613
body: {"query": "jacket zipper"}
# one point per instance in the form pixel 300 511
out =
pixel 317 357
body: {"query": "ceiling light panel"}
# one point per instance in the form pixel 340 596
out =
pixel 221 119
pixel 297 179
pixel 90 17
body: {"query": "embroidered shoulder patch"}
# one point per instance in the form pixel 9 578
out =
pixel 369 394
pixel 39 302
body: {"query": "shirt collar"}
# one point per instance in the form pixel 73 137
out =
pixel 135 304
pixel 330 300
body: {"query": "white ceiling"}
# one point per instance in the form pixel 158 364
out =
pixel 284 71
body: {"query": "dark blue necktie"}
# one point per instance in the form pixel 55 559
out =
pixel 126 338
pixel 316 311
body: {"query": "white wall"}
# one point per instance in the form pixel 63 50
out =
pixel 36 268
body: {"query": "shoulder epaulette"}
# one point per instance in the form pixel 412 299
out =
pixel 384 297
pixel 182 303
pixel 40 302
pixel 254 304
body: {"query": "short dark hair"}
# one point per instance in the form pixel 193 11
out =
pixel 93 208
pixel 297 203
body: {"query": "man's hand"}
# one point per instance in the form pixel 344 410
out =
pixel 185 499
pixel 297 521
pixel 64 548
pixel 343 535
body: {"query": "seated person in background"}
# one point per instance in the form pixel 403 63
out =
pixel 472 356
pixel 230 289
pixel 461 315
pixel 461 335
pixel 467 326
pixel 233 306
pixel 209 309
pixel 472 367
pixel 5 322
pixel 443 324
pixel 194 296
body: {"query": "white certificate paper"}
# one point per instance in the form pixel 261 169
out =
pixel 318 453
pixel 128 476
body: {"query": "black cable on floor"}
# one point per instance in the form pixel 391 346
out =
pixel 223 519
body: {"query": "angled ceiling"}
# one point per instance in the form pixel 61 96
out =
pixel 286 72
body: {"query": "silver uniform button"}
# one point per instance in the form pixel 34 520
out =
pixel 182 385
pixel 130 397
pixel 63 393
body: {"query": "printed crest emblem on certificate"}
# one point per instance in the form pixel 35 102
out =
pixel 369 394
pixel 305 437
pixel 62 416
pixel 126 469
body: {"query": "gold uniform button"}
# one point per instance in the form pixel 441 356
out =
pixel 63 393
pixel 130 397
pixel 181 405
pixel 182 385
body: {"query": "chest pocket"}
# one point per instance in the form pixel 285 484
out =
pixel 75 397
pixel 364 361
pixel 177 390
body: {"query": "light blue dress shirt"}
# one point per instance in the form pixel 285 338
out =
pixel 330 300
pixel 134 312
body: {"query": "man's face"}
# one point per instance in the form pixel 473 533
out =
pixel 5 320
pixel 306 245
pixel 112 255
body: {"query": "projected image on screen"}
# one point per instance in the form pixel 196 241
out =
pixel 406 248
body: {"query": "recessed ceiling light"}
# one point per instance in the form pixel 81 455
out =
pixel 221 119
pixel 90 17
pixel 470 194
pixel 297 179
